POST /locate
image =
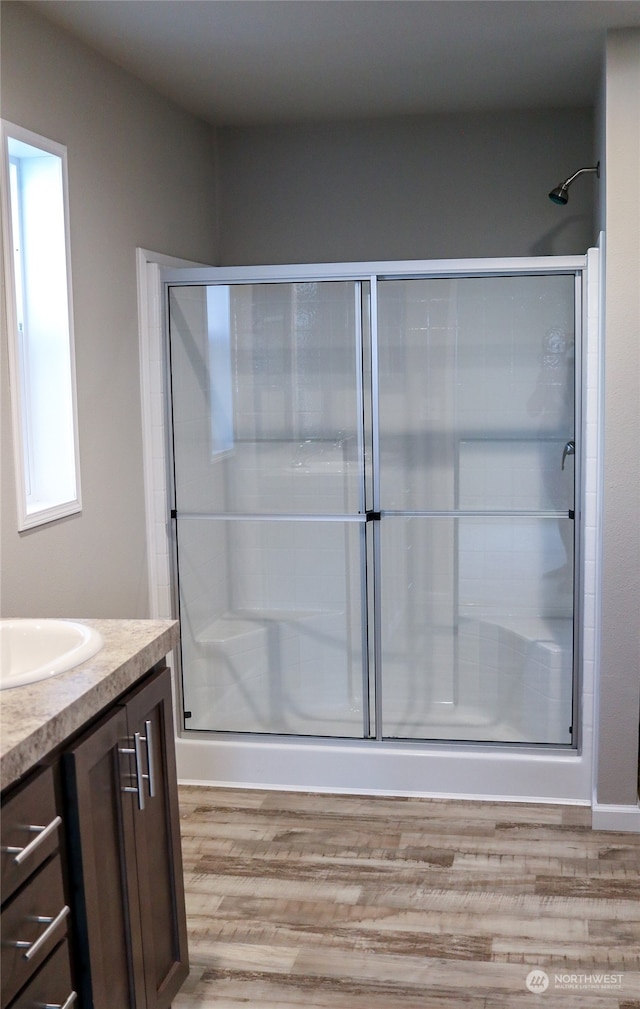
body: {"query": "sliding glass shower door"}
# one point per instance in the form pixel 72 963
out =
pixel 267 395
pixel 475 488
pixel 374 505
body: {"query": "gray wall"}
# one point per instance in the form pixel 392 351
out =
pixel 617 759
pixel 409 188
pixel 141 173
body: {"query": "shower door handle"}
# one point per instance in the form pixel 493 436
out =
pixel 569 449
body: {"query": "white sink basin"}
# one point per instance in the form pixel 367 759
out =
pixel 32 649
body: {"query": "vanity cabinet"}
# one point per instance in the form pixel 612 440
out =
pixel 125 854
pixel 36 960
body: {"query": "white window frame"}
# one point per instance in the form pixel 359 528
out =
pixel 36 505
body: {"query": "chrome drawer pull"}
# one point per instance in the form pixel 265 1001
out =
pixel 56 1005
pixel 22 854
pixel 31 948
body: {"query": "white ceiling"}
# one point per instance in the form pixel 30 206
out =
pixel 282 61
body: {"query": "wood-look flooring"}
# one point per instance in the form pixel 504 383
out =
pixel 342 902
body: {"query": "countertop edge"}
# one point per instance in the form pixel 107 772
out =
pixel 84 692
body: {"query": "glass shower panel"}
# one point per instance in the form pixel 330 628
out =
pixel 271 617
pixel 476 392
pixel 268 431
pixel 476 489
pixel 267 398
pixel 476 628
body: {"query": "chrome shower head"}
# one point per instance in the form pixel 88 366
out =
pixel 561 193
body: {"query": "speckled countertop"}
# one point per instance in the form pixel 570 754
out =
pixel 38 717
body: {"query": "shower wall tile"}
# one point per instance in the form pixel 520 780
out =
pixel 288 565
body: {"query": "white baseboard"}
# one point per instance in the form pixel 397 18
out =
pixel 606 817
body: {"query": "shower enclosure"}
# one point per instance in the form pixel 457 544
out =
pixel 373 501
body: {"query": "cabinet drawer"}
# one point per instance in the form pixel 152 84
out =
pixel 37 919
pixel 51 986
pixel 24 848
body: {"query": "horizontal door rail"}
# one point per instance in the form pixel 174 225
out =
pixel 385 270
pixel 268 517
pixel 461 513
pixel 456 513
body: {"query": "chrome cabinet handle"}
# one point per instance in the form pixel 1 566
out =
pixel 57 1005
pixel 137 744
pixel 31 948
pixel 140 776
pixel 22 854
pixel 151 776
pixel 569 449
pixel 136 750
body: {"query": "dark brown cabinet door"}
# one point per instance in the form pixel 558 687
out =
pixel 125 842
pixel 102 842
pixel 157 830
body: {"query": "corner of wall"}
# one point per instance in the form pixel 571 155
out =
pixel 600 152
pixel 616 769
pixel 217 191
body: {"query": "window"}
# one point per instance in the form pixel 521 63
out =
pixel 40 326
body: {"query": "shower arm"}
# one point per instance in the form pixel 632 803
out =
pixel 581 171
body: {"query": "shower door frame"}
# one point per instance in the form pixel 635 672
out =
pixel 370 273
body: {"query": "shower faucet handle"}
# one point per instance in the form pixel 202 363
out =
pixel 569 449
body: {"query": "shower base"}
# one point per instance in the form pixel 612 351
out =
pixel 365 767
